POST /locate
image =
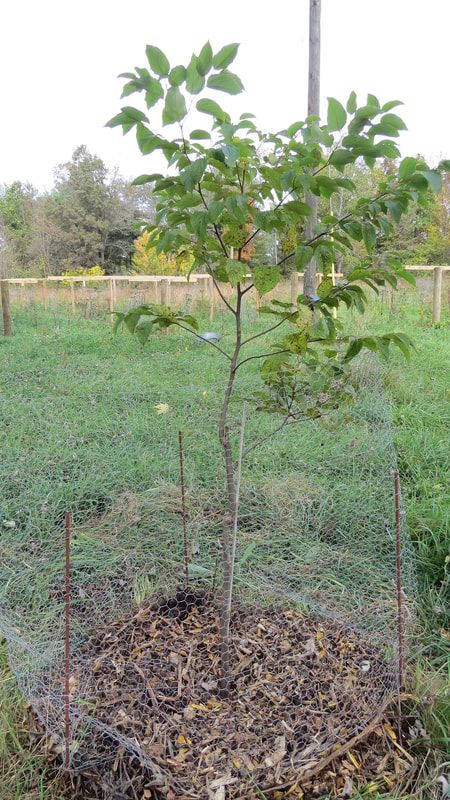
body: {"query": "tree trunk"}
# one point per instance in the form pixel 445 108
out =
pixel 6 308
pixel 309 280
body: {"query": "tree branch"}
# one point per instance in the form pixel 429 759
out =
pixel 208 341
pixel 261 355
pixel 268 330
pixel 216 229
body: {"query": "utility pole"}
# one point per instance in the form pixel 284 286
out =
pixel 309 279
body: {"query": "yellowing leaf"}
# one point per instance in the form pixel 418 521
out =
pixel 162 408
pixel 390 731
pixel 236 763
pixel 354 760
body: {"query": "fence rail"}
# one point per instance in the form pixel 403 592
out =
pixel 162 286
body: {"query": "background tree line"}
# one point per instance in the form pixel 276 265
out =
pixel 90 218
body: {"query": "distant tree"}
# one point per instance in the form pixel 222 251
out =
pixel 148 262
pixel 16 202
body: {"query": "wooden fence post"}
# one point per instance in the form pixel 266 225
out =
pixel 437 292
pixel 45 294
pixel 111 298
pixel 165 296
pixel 72 296
pixel 6 308
pixel 211 297
pixel 294 287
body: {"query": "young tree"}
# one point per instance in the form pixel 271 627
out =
pixel 225 185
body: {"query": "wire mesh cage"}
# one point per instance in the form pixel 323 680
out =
pixel 313 642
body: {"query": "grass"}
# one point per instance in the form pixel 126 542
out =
pixel 80 428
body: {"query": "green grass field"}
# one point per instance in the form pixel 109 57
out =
pixel 80 426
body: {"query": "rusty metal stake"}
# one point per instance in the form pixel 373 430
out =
pixel 67 648
pixel 400 632
pixel 183 510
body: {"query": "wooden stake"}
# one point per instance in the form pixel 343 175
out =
pixel 6 308
pixel 437 293
pixel 67 649
pixel 72 296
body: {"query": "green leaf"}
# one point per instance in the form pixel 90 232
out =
pixel 394 120
pixel 369 235
pixel 225 56
pixel 339 158
pixel 133 114
pixel 325 288
pixel 191 175
pixel 199 134
pixel 295 208
pixel 226 81
pixel 130 88
pixel 265 278
pixel 434 179
pixel 119 318
pixel 143 331
pixel 141 179
pixel 194 80
pixel 207 106
pixel 157 60
pixel 118 119
pixel 175 106
pixel 351 103
pixel 354 229
pixel 205 59
pixel 337 116
pixel 177 75
pixel 407 167
pixel 355 347
pixel 303 256
pixel 154 92
pixel 274 363
pixel 236 271
pixel 147 141
pixel 391 104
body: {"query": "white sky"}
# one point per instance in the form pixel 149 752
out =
pixel 59 60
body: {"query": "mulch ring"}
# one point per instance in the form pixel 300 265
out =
pixel 305 693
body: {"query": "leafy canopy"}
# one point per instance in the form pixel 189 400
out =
pixel 227 181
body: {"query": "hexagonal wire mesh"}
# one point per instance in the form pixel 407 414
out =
pixel 313 635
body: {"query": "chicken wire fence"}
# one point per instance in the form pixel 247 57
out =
pixel 313 637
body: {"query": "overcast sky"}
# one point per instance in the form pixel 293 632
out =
pixel 60 59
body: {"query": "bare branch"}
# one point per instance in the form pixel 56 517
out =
pixel 269 330
pixel 261 355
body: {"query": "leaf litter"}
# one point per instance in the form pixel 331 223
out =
pixel 301 700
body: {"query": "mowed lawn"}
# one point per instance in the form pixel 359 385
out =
pixel 79 421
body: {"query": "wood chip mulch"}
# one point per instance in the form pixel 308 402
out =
pixel 305 694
